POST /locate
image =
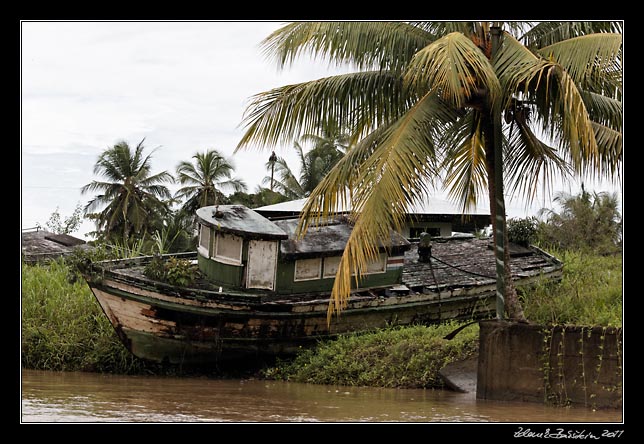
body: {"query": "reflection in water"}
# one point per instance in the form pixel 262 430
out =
pixel 89 397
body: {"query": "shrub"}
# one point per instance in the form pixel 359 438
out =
pixel 522 231
pixel 174 271
pixel 408 357
pixel 590 292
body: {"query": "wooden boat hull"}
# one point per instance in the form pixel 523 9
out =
pixel 171 328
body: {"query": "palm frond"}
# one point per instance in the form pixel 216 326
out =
pixel 587 58
pixel 281 115
pixel 556 98
pixel 234 184
pixel 394 171
pixel 530 162
pixel 98 202
pixel 464 164
pixel 609 142
pixel 109 166
pixel 513 64
pixel 547 33
pixel 157 191
pixel 95 185
pixel 333 194
pixel 159 178
pixel 454 67
pixel 187 173
pixel 366 45
pixel 287 182
pixel 438 28
pixel 604 110
pixel 187 191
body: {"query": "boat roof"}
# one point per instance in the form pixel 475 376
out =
pixel 328 239
pixel 241 221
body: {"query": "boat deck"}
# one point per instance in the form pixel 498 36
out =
pixel 456 264
pixel 470 262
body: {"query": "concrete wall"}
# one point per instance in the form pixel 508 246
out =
pixel 560 364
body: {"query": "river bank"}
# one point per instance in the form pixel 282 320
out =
pixel 64 329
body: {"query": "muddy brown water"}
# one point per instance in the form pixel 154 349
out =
pixel 88 397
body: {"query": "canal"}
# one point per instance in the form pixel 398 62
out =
pixel 72 397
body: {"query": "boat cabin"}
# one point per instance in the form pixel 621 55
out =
pixel 239 248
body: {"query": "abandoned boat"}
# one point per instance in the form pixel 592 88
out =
pixel 263 291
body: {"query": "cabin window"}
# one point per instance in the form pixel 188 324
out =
pixel 308 269
pixel 204 240
pixel 379 265
pixel 228 249
pixel 331 265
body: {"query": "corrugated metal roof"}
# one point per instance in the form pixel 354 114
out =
pixel 433 205
pixel 41 245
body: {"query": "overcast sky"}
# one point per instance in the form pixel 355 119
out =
pixel 183 86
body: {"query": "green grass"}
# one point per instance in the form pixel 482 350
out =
pixel 64 328
pixel 590 292
pixel 408 357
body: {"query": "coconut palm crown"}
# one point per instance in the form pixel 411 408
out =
pixel 472 106
pixel 131 196
pixel 205 180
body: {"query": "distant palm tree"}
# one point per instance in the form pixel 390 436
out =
pixel 205 180
pixel 585 222
pixel 314 165
pixel 428 100
pixel 131 196
pixel 332 137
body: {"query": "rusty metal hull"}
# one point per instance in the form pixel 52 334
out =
pixel 164 323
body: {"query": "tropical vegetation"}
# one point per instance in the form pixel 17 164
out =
pixel 67 225
pixel 588 222
pixel 468 104
pixel 328 147
pixel 132 197
pixel 314 166
pixel 204 181
pixel 140 216
pixel 409 357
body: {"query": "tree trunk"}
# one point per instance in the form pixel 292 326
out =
pixel 506 293
pixel 512 305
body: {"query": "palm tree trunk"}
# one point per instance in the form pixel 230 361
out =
pixel 126 230
pixel 507 298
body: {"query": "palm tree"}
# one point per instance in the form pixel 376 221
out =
pixel 205 179
pixel 332 137
pixel 460 102
pixel 586 221
pixel 314 165
pixel 131 196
